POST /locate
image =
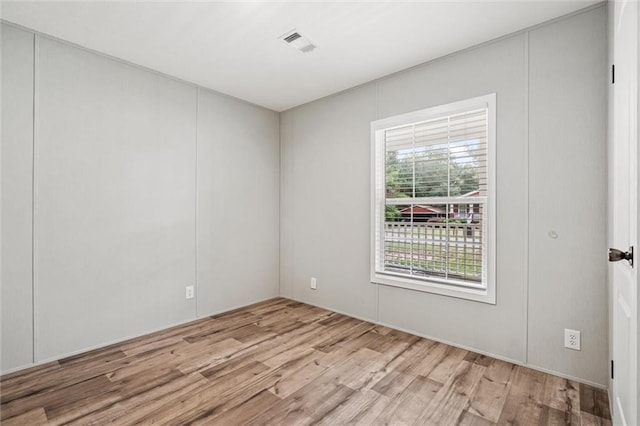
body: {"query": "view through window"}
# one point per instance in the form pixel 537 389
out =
pixel 432 195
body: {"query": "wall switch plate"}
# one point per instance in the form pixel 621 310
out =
pixel 572 339
pixel 314 285
pixel 189 292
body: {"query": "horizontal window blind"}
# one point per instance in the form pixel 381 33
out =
pixel 435 197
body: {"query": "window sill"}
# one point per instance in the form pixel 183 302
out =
pixel 484 295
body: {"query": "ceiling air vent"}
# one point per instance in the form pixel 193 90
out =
pixel 297 40
pixel 292 37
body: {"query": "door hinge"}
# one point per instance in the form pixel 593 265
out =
pixel 613 74
pixel 611 369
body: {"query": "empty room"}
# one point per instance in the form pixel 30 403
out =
pixel 319 212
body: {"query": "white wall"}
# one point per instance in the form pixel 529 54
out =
pixel 16 314
pixel 548 82
pixel 124 158
pixel 114 194
pixel 325 200
pixel 238 181
pixel 568 81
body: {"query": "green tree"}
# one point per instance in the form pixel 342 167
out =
pixel 435 174
pixel 395 182
pixel 392 213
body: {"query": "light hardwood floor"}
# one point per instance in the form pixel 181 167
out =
pixel 284 362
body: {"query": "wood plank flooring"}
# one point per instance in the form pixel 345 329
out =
pixel 286 363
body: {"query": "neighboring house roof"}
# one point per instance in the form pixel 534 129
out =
pixel 422 209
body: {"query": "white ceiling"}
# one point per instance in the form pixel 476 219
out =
pixel 233 47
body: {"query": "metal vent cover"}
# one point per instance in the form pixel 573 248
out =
pixel 299 41
pixel 292 37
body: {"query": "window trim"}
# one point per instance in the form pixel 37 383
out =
pixel 433 285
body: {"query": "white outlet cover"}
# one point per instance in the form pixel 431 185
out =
pixel 572 339
pixel 313 283
pixel 189 292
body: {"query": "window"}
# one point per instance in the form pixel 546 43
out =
pixel 433 203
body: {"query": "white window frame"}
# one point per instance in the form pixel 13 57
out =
pixel 487 291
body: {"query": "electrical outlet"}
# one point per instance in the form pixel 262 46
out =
pixel 572 339
pixel 314 285
pixel 189 292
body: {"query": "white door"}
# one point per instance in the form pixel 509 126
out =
pixel 625 213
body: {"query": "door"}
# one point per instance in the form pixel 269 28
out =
pixel 624 407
